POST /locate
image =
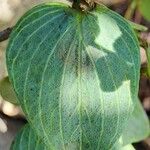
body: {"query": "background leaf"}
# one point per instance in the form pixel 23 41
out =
pixel 144 7
pixel 138 127
pixel 137 27
pixel 26 139
pixel 7 91
pixel 76 74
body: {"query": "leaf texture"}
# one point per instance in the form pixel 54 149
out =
pixel 137 127
pixel 26 139
pixel 144 6
pixel 75 74
pixel 7 91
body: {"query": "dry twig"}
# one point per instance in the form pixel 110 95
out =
pixel 4 35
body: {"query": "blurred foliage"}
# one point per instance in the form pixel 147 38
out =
pixel 144 7
pixel 7 91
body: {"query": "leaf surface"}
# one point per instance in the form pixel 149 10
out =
pixel 7 91
pixel 76 74
pixel 26 139
pixel 144 7
pixel 137 127
pixel 128 147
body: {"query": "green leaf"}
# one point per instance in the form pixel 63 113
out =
pixel 76 74
pixel 144 7
pixel 7 91
pixel 137 27
pixel 138 127
pixel 119 146
pixel 26 139
pixel 128 147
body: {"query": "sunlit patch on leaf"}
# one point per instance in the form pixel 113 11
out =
pixel 137 127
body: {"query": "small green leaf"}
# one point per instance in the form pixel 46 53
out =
pixel 138 127
pixel 7 91
pixel 119 146
pixel 144 7
pixel 137 27
pixel 26 139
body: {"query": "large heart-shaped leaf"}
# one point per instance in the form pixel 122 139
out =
pixel 26 139
pixel 144 6
pixel 75 73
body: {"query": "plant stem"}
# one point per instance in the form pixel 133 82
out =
pixel 130 11
pixel 4 35
pixel 137 26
